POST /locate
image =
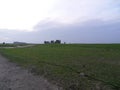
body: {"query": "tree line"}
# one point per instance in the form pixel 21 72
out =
pixel 53 42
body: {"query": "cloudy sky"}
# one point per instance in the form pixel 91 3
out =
pixel 72 21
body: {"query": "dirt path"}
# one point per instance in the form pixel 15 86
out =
pixel 13 77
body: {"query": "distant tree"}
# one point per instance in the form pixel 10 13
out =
pixel 52 42
pixel 58 41
pixel 3 43
pixel 64 42
pixel 46 42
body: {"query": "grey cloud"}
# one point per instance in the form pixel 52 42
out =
pixel 94 31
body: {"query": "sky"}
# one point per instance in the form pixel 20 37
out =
pixel 72 21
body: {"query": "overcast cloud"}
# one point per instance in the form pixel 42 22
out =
pixel 72 21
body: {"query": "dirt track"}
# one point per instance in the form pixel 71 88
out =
pixel 13 77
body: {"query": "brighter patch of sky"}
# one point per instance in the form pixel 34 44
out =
pixel 25 14
pixel 83 10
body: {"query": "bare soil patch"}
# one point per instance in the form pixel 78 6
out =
pixel 13 77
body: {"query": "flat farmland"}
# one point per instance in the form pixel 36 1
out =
pixel 72 66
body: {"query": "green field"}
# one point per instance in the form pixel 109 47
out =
pixel 7 45
pixel 72 66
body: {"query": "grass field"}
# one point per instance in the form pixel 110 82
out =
pixel 72 66
pixel 7 45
